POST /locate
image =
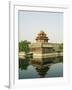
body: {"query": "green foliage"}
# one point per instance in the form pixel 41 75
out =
pixel 23 46
pixel 61 47
pixel 23 64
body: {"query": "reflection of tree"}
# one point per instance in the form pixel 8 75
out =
pixel 60 59
pixel 23 64
pixel 42 71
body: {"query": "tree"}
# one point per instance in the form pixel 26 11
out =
pixel 23 46
pixel 61 47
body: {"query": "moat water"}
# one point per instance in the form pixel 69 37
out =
pixel 29 69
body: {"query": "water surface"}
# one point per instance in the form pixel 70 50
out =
pixel 27 69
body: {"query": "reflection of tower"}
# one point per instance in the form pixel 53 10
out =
pixel 41 68
pixel 42 37
pixel 42 71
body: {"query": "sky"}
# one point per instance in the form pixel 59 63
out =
pixel 32 22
